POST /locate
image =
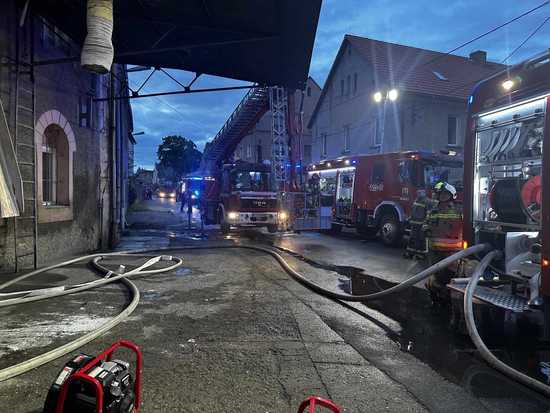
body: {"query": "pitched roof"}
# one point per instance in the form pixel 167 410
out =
pixel 415 70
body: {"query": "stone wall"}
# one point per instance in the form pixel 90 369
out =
pixel 63 96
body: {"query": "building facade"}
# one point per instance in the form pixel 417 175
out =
pixel 72 152
pixel 381 97
pixel 256 146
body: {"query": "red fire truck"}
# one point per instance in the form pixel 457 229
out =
pixel 242 195
pixel 506 197
pixel 375 193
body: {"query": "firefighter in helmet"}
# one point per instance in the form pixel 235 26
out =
pixel 417 245
pixel 443 230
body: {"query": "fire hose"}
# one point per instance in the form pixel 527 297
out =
pixel 111 276
pixel 478 342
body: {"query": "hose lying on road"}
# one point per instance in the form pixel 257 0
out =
pixel 113 276
pixel 44 358
pixel 478 342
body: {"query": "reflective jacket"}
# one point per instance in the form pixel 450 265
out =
pixel 444 224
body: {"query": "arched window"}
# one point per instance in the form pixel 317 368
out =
pixel 55 145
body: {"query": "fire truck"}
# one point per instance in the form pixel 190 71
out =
pixel 506 197
pixel 375 193
pixel 242 194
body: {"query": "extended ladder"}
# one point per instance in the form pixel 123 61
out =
pixel 278 99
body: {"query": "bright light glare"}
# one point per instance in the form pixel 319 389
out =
pixel 508 84
pixel 232 215
pixel 162 194
pixel 378 97
pixel 283 216
pixel 393 95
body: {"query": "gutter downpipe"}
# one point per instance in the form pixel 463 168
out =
pixel 112 161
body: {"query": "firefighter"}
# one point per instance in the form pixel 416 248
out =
pixel 443 229
pixel 417 245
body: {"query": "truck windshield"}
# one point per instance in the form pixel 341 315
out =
pixel 441 172
pixel 251 181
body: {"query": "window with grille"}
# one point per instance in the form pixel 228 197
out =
pixel 48 175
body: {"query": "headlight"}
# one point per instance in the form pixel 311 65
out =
pixel 283 216
pixel 232 215
pixel 173 195
pixel 162 194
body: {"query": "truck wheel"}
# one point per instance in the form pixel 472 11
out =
pixel 272 229
pixel 335 228
pixel 390 230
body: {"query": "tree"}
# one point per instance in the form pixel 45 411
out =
pixel 177 157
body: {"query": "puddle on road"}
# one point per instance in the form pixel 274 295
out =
pixel 426 333
pixel 183 272
pixel 150 295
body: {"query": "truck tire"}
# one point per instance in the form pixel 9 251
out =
pixel 272 229
pixel 335 228
pixel 390 230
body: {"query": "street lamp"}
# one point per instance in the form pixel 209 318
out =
pixel 391 95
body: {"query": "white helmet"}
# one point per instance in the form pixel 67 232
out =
pixel 445 187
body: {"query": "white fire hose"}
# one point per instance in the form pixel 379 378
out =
pixel 478 342
pixel 142 270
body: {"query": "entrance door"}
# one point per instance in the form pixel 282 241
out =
pixel 344 194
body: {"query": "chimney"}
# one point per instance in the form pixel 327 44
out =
pixel 479 56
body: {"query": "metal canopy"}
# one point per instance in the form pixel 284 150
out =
pixel 265 41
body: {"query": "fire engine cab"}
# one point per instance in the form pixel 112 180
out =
pixel 243 195
pixel 375 193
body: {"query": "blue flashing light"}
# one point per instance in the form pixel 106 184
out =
pixel 471 99
pixel 197 193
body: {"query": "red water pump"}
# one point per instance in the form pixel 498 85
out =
pixel 98 384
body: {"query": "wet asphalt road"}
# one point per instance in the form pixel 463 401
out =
pixel 231 332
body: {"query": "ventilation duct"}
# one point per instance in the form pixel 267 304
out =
pixel 97 52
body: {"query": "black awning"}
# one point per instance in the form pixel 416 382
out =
pixel 264 41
